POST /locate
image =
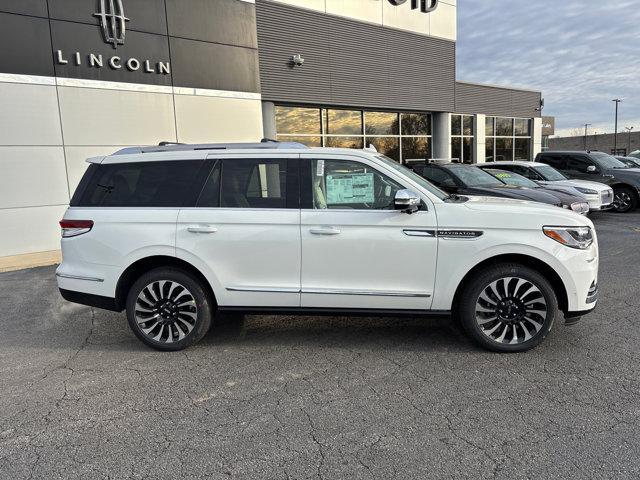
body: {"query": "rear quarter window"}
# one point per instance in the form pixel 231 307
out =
pixel 140 184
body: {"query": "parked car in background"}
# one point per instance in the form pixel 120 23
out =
pixel 632 162
pixel 599 167
pixel 177 233
pixel 635 154
pixel 461 179
pixel 576 202
pixel 599 195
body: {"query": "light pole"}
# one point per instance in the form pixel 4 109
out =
pixel 628 129
pixel 586 126
pixel 615 135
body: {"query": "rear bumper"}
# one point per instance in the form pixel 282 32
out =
pixel 105 303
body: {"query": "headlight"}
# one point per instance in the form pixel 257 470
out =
pixel 573 237
pixel 586 191
pixel 580 207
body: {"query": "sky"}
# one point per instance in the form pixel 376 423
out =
pixel 580 53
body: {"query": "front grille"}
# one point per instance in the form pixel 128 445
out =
pixel 607 196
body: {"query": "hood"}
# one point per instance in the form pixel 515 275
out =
pixel 597 186
pixel 511 191
pixel 519 214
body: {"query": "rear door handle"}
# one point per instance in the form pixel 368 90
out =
pixel 325 231
pixel 202 229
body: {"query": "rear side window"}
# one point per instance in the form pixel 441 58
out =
pixel 140 184
pixel 438 177
pixel 556 161
pixel 249 183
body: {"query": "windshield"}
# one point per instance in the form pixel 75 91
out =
pixel 607 161
pixel 512 178
pixel 413 176
pixel 549 173
pixel 474 177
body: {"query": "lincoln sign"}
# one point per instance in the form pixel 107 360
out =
pixel 113 25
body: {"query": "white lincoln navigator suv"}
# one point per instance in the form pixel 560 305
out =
pixel 176 233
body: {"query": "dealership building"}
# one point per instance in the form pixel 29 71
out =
pixel 83 78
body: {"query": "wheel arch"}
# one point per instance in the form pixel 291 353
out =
pixel 144 265
pixel 536 264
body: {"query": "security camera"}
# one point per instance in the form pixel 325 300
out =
pixel 297 60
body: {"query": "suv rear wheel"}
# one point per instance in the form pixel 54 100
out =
pixel 624 199
pixel 508 308
pixel 168 309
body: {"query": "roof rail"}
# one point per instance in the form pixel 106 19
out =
pixel 180 147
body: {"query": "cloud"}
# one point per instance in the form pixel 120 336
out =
pixel 580 53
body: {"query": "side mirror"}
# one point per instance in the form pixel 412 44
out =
pixel 592 169
pixel 407 201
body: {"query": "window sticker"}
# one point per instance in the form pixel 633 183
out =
pixel 320 168
pixel 503 175
pixel 350 188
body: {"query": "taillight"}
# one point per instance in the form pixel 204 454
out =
pixel 73 228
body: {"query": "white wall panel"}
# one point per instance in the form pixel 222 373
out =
pixel 93 116
pixel 29 230
pixel 405 18
pixel 29 115
pixel 443 22
pixel 32 176
pixel 364 10
pixel 203 119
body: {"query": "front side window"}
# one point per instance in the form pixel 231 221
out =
pixel 253 183
pixel 345 184
pixel 141 184
pixel 578 164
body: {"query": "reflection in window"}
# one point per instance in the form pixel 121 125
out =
pixel 508 139
pixel 462 138
pixel 416 123
pixel 308 140
pixel 344 142
pixel 504 149
pixel 381 123
pixel 416 147
pixel 490 126
pixel 343 122
pixel 293 120
pixel 522 149
pixel 397 135
pixel 504 127
pixel 388 146
pixel 522 127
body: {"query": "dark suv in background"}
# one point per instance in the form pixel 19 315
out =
pixel 599 167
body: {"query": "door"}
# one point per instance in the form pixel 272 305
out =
pixel 357 251
pixel 245 230
pixel 577 167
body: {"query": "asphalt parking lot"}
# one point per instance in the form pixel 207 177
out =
pixel 331 398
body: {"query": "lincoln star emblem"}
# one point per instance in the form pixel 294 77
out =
pixel 112 21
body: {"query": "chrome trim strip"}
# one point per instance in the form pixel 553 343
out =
pixel 79 277
pixel 377 293
pixel 263 289
pixel 419 233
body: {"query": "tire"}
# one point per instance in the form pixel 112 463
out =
pixel 168 309
pixel 624 199
pixel 504 299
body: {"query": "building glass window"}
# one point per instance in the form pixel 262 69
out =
pixel 508 139
pixel 462 137
pixel 398 135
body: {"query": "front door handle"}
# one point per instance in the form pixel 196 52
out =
pixel 202 229
pixel 325 231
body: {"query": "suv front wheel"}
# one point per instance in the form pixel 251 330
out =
pixel 168 309
pixel 508 308
pixel 624 199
